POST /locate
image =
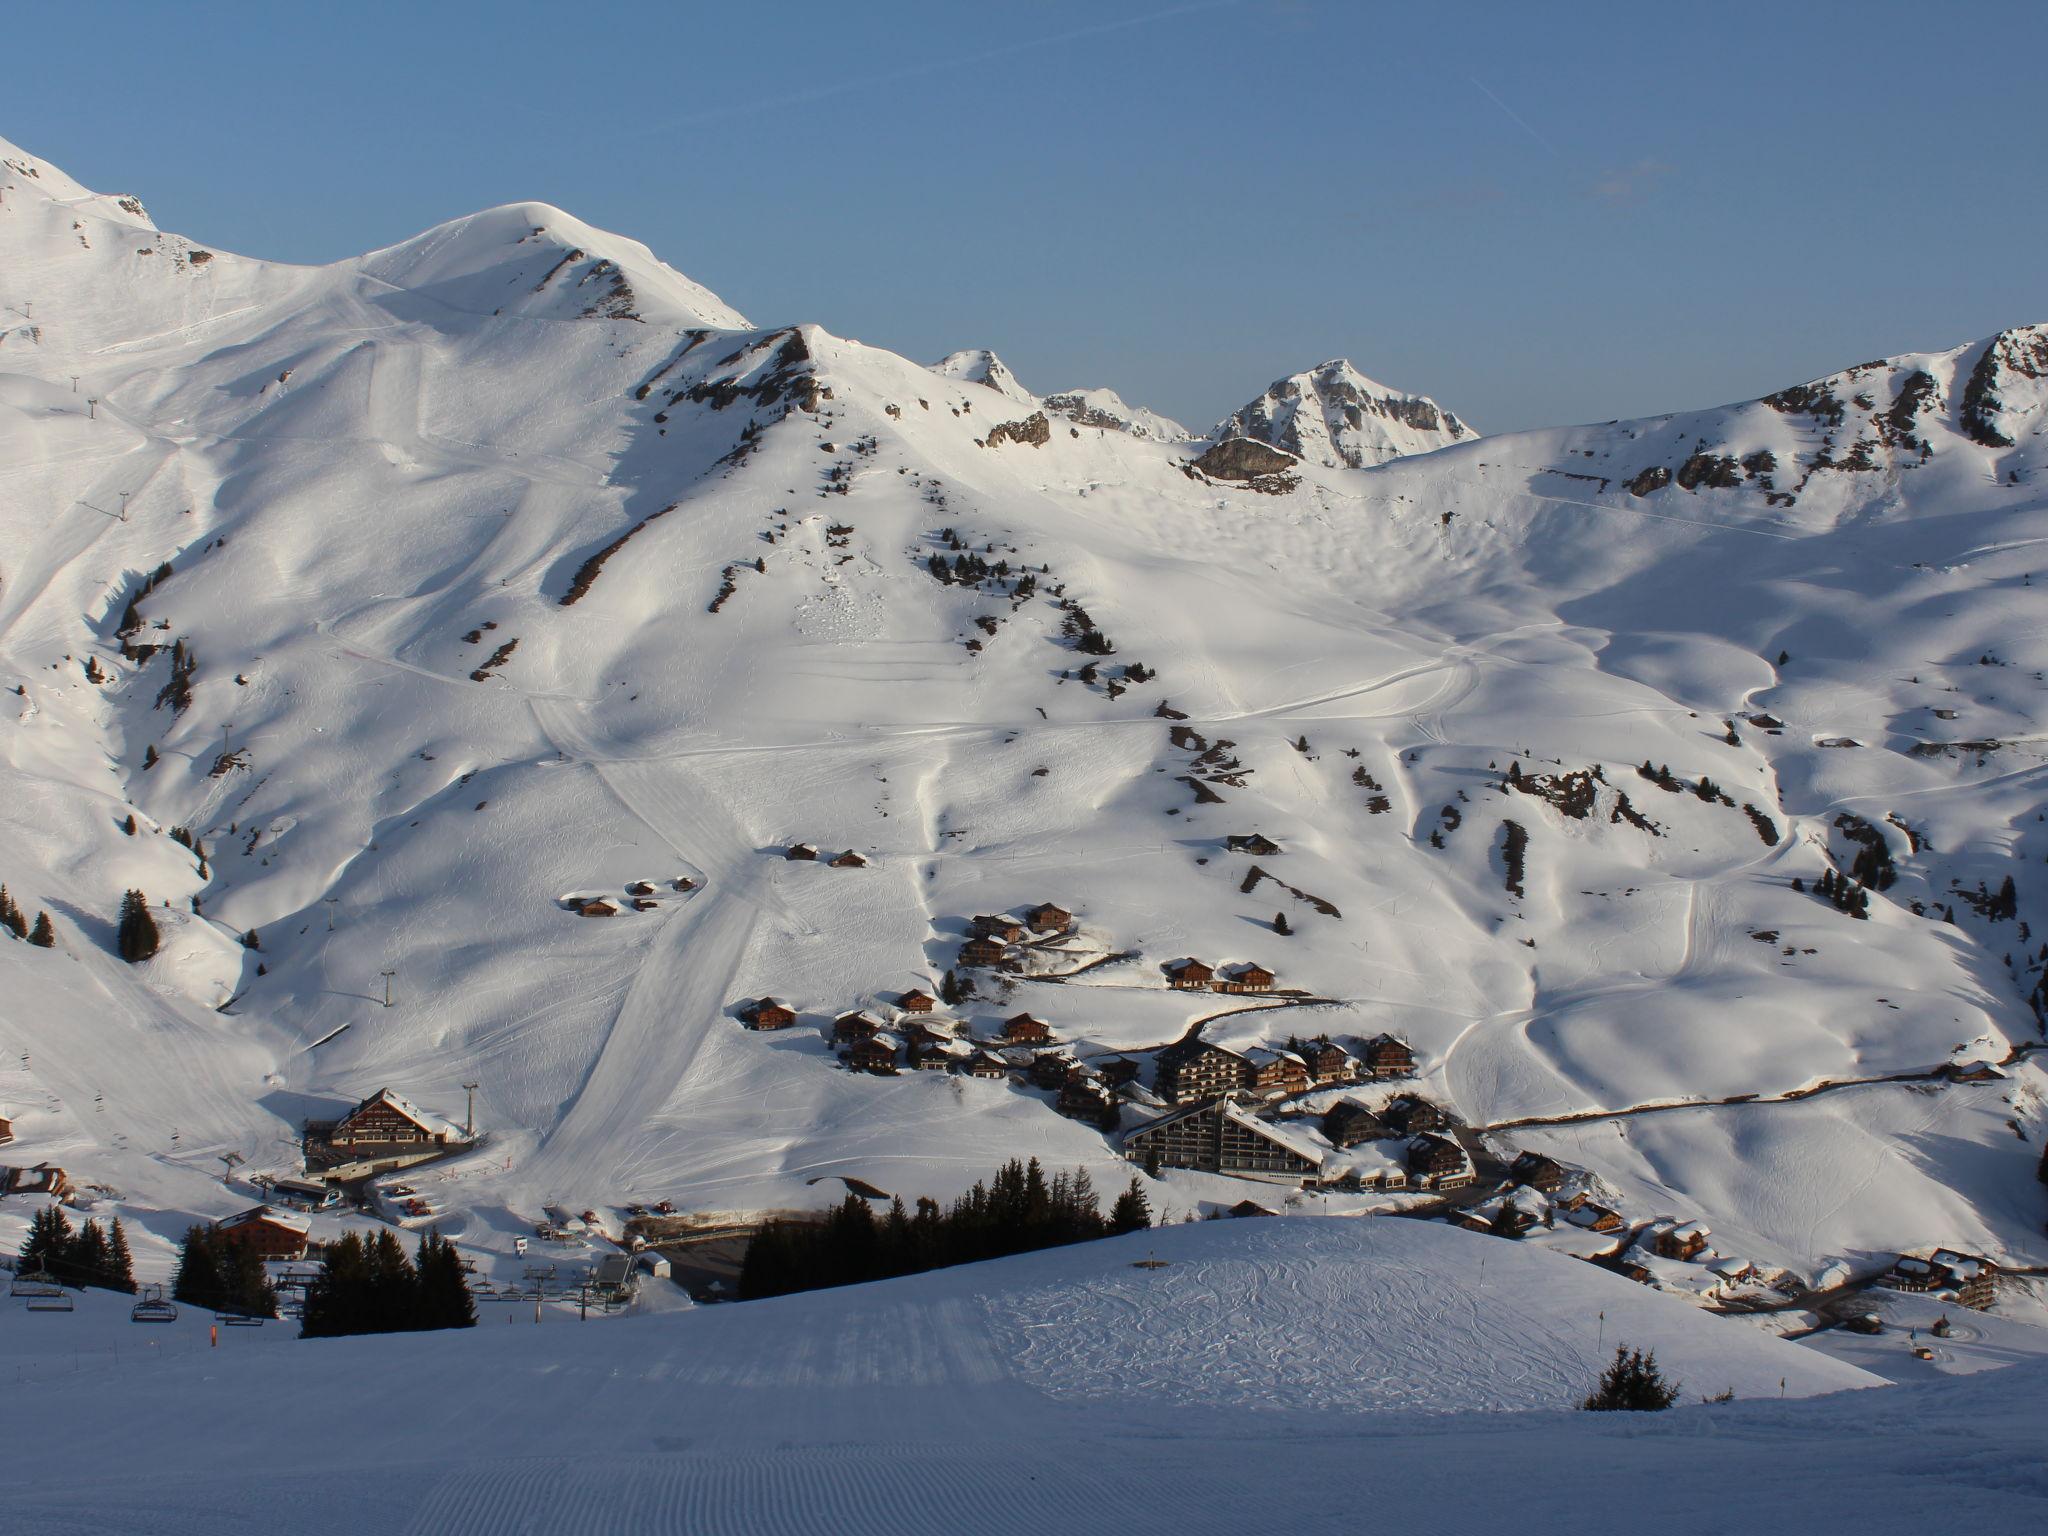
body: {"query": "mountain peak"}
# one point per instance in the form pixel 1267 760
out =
pixel 978 365
pixel 1334 415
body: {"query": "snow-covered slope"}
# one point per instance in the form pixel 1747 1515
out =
pixel 1259 1369
pixel 507 566
pixel 1335 416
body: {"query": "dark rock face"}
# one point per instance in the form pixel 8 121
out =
pixel 2023 353
pixel 1655 478
pixel 1033 429
pixel 1240 458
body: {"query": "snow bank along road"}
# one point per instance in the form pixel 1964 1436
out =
pixel 1057 1391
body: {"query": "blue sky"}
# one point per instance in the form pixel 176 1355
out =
pixel 1536 213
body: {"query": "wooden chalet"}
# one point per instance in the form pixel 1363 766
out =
pixel 1327 1061
pixel 1348 1123
pixel 1006 930
pixel 385 1121
pixel 1680 1240
pixel 602 907
pixel 1245 978
pixel 849 1027
pixel 875 1054
pixel 1047 918
pixel 1538 1172
pixel 1254 843
pixel 1188 975
pixel 1025 1029
pixel 1594 1218
pixel 1199 1069
pixel 1085 1098
pixel 45 1179
pixel 1440 1161
pixel 1387 1057
pixel 1221 1136
pixel 1250 1208
pixel 767 1013
pixel 274 1234
pixel 1052 1069
pixel 1118 1070
pixel 1277 1072
pixel 931 1053
pixel 800 851
pixel 847 860
pixel 6 1130
pixel 985 954
pixel 981 1064
pixel 916 1001
pixel 1411 1115
pixel 1945 1272
pixel 640 888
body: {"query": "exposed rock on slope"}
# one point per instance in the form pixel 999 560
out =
pixel 1335 416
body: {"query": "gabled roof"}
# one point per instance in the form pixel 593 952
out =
pixel 398 1102
pixel 270 1216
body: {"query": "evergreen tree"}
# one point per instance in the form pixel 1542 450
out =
pixel 1280 924
pixel 137 937
pixel 1132 1211
pixel 10 915
pixel 1153 1163
pixel 128 825
pixel 198 1279
pixel 48 1243
pixel 1632 1384
pixel 444 1299
pixel 43 936
pixel 120 1263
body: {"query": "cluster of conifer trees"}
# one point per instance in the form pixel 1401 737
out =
pixel 1018 1211
pixel 219 1273
pixel 91 1256
pixel 15 921
pixel 136 938
pixel 372 1287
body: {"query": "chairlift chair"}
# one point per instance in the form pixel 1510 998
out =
pixel 58 1302
pixel 152 1308
pixel 240 1319
pixel 36 1284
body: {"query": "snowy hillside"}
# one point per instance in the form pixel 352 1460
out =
pixel 1279 1357
pixel 413 605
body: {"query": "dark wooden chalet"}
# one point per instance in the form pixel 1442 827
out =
pixel 1004 929
pixel 850 1027
pixel 274 1234
pixel 767 1014
pixel 981 1064
pixel 985 954
pixel 1254 843
pixel 917 1002
pixel 1220 1136
pixel 1051 1069
pixel 1411 1115
pixel 1118 1070
pixel 1245 1208
pixel 1387 1057
pixel 1438 1159
pixel 599 908
pixel 800 851
pixel 1025 1029
pixel 385 1120
pixel 875 1054
pixel 1085 1098
pixel 1198 1069
pixel 1277 1072
pixel 1047 918
pixel 1188 975
pixel 640 888
pixel 1245 978
pixel 6 1130
pixel 1538 1172
pixel 1347 1124
pixel 847 860
pixel 1681 1240
pixel 1327 1061
pixel 43 1179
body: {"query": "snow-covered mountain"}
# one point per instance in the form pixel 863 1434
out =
pixel 1335 416
pixel 412 604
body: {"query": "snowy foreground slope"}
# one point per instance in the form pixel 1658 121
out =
pixel 508 567
pixel 1300 1369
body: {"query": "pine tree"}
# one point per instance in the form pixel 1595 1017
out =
pixel 199 1279
pixel 10 915
pixel 1132 1211
pixel 149 757
pixel 1632 1384
pixel 128 825
pixel 48 1243
pixel 89 1259
pixel 1153 1162
pixel 43 936
pixel 1280 923
pixel 137 938
pixel 120 1263
pixel 444 1299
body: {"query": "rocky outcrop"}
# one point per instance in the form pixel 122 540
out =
pixel 1335 416
pixel 1033 429
pixel 1240 458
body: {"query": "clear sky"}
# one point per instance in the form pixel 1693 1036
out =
pixel 1537 213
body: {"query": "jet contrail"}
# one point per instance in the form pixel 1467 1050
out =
pixel 918 71
pixel 1514 116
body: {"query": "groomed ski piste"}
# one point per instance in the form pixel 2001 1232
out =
pixel 1299 1368
pixel 713 545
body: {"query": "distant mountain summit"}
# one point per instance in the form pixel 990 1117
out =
pixel 1335 416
